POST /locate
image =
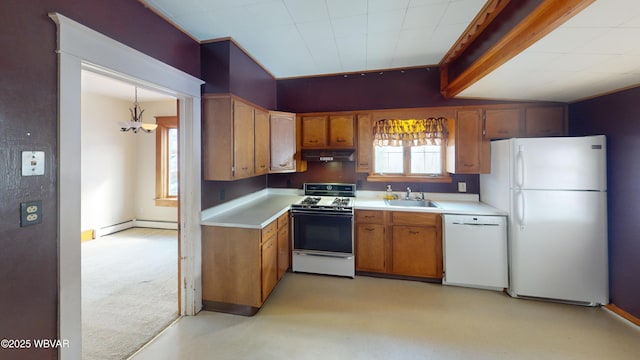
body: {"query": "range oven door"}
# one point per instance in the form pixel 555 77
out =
pixel 322 232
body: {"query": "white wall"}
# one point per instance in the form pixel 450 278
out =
pixel 146 176
pixel 108 163
pixel 118 169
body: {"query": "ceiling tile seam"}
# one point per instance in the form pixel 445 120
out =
pixel 335 40
pixel 395 48
pixel 306 45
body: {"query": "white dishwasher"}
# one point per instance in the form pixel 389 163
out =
pixel 475 251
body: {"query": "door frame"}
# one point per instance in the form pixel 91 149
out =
pixel 81 47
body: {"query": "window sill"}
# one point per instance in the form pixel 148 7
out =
pixel 445 179
pixel 172 202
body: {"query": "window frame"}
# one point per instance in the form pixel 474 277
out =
pixel 406 176
pixel 162 161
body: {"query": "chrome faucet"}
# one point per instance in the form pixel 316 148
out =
pixel 408 197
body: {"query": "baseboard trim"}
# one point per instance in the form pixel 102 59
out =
pixel 171 225
pixel 115 228
pixel 623 314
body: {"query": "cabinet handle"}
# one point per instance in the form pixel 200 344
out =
pixel 467 165
pixel 369 216
pixel 414 232
pixel 369 229
pixel 340 140
pixel 503 132
pixel 262 166
pixel 364 164
pixel 245 168
pixel 284 164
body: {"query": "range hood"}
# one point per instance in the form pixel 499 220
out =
pixel 328 155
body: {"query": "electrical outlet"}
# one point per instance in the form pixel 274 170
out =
pixel 462 186
pixel 30 213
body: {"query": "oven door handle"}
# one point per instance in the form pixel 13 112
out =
pixel 349 257
pixel 321 213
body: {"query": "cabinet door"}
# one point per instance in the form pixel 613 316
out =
pixel 370 247
pixel 544 121
pixel 341 131
pixel 217 138
pixel 283 142
pixel 415 251
pixel 283 245
pixel 314 131
pixel 262 136
pixel 243 136
pixel 502 123
pixel 365 144
pixel 467 151
pixel 269 266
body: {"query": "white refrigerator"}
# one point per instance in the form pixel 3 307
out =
pixel 555 192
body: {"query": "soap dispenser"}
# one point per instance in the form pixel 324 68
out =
pixel 389 193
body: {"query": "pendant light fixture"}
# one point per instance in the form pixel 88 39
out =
pixel 136 119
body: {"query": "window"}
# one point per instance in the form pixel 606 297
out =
pixel 410 148
pixel 167 161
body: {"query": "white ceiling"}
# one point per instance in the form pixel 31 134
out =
pixel 310 37
pixel 595 52
pixel 107 86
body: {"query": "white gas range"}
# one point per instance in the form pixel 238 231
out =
pixel 322 230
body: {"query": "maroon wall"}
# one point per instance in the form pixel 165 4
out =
pixel 228 69
pixel 417 87
pixel 28 121
pixel 346 172
pixel 407 88
pixel 616 116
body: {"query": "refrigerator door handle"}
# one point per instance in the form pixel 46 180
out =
pixel 520 167
pixel 520 208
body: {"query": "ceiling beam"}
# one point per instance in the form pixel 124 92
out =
pixel 546 17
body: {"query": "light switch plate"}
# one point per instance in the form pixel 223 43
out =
pixel 462 186
pixel 30 213
pixel 32 163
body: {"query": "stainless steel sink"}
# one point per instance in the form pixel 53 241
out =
pixel 412 202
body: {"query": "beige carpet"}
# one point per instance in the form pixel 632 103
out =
pixel 129 291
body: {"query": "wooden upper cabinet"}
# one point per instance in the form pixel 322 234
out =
pixel 283 142
pixel 314 131
pixel 235 138
pixel 328 131
pixel 243 137
pixel 365 144
pixel 468 152
pixel 503 123
pixel 341 134
pixel 262 138
pixel 545 121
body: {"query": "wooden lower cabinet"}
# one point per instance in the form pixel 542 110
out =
pixel 269 266
pixel 399 243
pixel 284 252
pixel 370 248
pixel 240 267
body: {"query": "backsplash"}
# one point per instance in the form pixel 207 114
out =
pixel 344 172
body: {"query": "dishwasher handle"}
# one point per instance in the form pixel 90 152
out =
pixel 474 224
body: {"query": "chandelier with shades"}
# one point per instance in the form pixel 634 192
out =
pixel 136 123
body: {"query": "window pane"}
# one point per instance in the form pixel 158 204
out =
pixel 389 160
pixel 173 162
pixel 426 159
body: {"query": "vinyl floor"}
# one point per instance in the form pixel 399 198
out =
pixel 323 317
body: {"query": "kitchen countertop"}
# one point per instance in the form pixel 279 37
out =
pixel 257 210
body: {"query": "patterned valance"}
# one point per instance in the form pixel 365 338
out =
pixel 410 132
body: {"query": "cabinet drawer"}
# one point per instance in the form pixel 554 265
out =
pixel 370 216
pixel 414 218
pixel 269 231
pixel 283 220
